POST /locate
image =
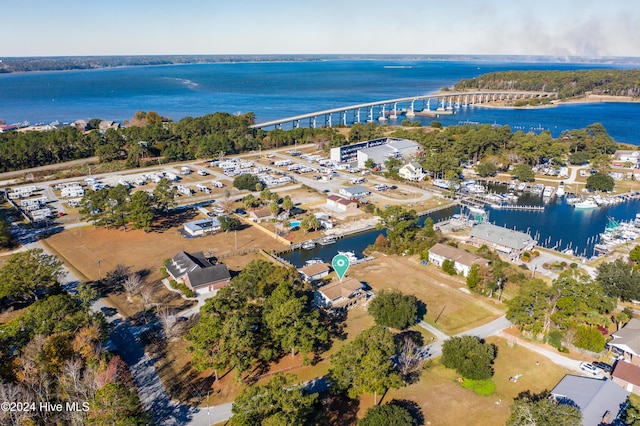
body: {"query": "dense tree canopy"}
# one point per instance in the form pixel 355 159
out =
pixel 246 181
pixel 387 415
pixel 529 409
pixel 364 365
pixel 394 309
pixel 469 356
pixel 26 274
pixel 600 182
pixel 620 280
pixel 276 403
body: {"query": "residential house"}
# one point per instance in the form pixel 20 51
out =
pixel 624 155
pixel 201 227
pixel 197 272
pixel 461 259
pixel 627 376
pixel 626 341
pixel 341 204
pixel 340 295
pixel 262 214
pixel 354 191
pixel 412 171
pixel 314 272
pixel 600 401
pixel 507 241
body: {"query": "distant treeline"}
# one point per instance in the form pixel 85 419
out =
pixel 66 63
pixel 566 84
pixel 152 137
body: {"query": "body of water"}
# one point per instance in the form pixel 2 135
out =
pixel 275 90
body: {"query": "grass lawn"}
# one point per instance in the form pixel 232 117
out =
pixel 445 402
pixel 450 306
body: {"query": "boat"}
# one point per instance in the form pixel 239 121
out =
pixel 327 241
pixel 313 261
pixel 548 191
pixel 522 186
pixel 308 245
pixel 589 203
pixel 560 191
pixel 537 188
pixel 350 255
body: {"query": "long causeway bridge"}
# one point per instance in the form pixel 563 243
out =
pixel 434 105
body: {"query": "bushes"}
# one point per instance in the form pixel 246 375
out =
pixel 449 267
pixel 589 338
pixel 183 288
pixel 163 273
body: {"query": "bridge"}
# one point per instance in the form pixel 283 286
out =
pixel 443 104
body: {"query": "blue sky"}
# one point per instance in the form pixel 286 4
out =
pixel 510 27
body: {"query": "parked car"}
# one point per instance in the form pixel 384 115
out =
pixel 588 368
pixel 603 366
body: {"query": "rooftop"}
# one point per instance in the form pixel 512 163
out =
pixel 627 372
pixel 455 254
pixel 628 337
pixel 503 236
pixel 316 268
pixel 354 190
pixel 337 289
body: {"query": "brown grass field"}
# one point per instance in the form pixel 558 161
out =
pixel 445 402
pixel 448 307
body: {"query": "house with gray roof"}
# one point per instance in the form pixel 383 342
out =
pixel 201 227
pixel 600 401
pixel 356 191
pixel 626 341
pixel 504 240
pixel 197 272
pixel 462 260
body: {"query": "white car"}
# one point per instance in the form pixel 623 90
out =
pixel 589 368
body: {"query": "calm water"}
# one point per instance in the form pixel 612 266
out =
pixel 280 89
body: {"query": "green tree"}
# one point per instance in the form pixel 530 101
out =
pixel 140 211
pixel 449 267
pixel 486 168
pixel 600 182
pixel 287 203
pixel 529 409
pixel 6 240
pixel 369 164
pixel 589 338
pixel 580 157
pixel 115 404
pixel 290 322
pixel 619 279
pixel 250 201
pixel 523 172
pixel 164 196
pixel 394 309
pixel 473 277
pixel 276 403
pixel 364 365
pixel 228 223
pixel 246 181
pixel 634 254
pixel 386 415
pixel 469 356
pixel 274 208
pixel 27 274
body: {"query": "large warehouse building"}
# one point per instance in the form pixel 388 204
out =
pixel 378 150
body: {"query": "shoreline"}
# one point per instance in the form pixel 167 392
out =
pixel 582 100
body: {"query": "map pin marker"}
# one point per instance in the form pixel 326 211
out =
pixel 340 264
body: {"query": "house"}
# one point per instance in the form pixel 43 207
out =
pixel 7 127
pixel 197 272
pixel 623 156
pixel 314 272
pixel 626 341
pixel 336 202
pixel 600 401
pixel 107 124
pixel 627 376
pixel 411 171
pixel 340 295
pixel 354 191
pixel 201 227
pixel 616 175
pixel 507 241
pixel 461 259
pixel 262 214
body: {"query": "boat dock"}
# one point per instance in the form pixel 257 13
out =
pixel 517 207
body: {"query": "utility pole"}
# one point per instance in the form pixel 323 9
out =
pixel 99 262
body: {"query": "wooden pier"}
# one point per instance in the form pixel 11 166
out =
pixel 517 207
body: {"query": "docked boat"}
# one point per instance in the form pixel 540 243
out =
pixel 327 241
pixel 308 245
pixel 537 189
pixel 522 186
pixel 548 191
pixel 350 255
pixel 560 190
pixel 313 261
pixel 589 203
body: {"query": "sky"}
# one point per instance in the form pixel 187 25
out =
pixel 593 28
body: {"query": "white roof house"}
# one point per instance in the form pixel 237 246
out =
pixel 412 171
pixel 354 191
pixel 202 227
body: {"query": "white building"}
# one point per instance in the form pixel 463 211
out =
pixel 461 259
pixel 354 191
pixel 198 228
pixel 411 171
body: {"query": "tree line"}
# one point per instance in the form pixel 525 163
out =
pixel 52 350
pixel 567 84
